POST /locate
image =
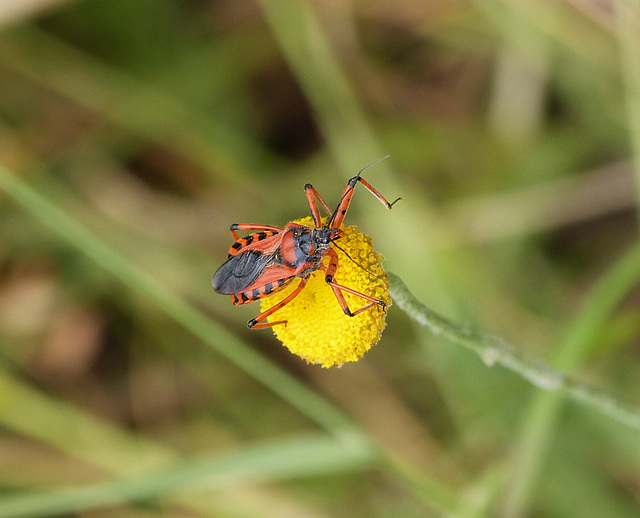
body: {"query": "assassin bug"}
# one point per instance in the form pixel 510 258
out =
pixel 270 258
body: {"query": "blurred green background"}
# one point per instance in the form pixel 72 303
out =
pixel 132 134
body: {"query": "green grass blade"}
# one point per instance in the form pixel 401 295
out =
pixel 34 414
pixel 293 458
pixel 545 410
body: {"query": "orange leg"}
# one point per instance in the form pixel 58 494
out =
pixel 338 216
pixel 255 323
pixel 312 195
pixel 330 271
pixel 382 199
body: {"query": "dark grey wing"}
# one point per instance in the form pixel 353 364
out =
pixel 240 271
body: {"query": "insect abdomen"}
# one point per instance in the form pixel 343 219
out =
pixel 243 242
pixel 260 291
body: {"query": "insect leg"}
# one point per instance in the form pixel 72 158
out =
pixel 312 195
pixel 255 323
pixel 330 271
pixel 251 226
pixel 370 188
pixel 338 216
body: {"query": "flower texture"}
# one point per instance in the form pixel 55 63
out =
pixel 317 329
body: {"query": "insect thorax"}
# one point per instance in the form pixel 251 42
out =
pixel 304 247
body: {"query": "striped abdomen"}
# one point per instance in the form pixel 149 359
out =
pixel 244 242
pixel 260 291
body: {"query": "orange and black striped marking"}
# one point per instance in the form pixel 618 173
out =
pixel 244 242
pixel 258 293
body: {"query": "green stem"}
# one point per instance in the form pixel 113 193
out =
pixel 495 351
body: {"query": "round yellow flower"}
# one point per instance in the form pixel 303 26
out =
pixel 317 329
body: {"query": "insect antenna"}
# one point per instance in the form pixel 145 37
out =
pixel 353 260
pixel 372 163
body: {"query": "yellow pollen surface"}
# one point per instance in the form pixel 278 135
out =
pixel 317 329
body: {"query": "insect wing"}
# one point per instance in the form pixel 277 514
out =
pixel 240 271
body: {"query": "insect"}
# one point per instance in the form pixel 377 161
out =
pixel 270 258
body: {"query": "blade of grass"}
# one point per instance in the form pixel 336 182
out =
pixel 293 458
pixel 56 423
pixel 519 86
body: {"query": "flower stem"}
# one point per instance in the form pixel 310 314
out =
pixel 493 351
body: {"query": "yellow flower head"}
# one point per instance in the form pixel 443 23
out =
pixel 317 329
